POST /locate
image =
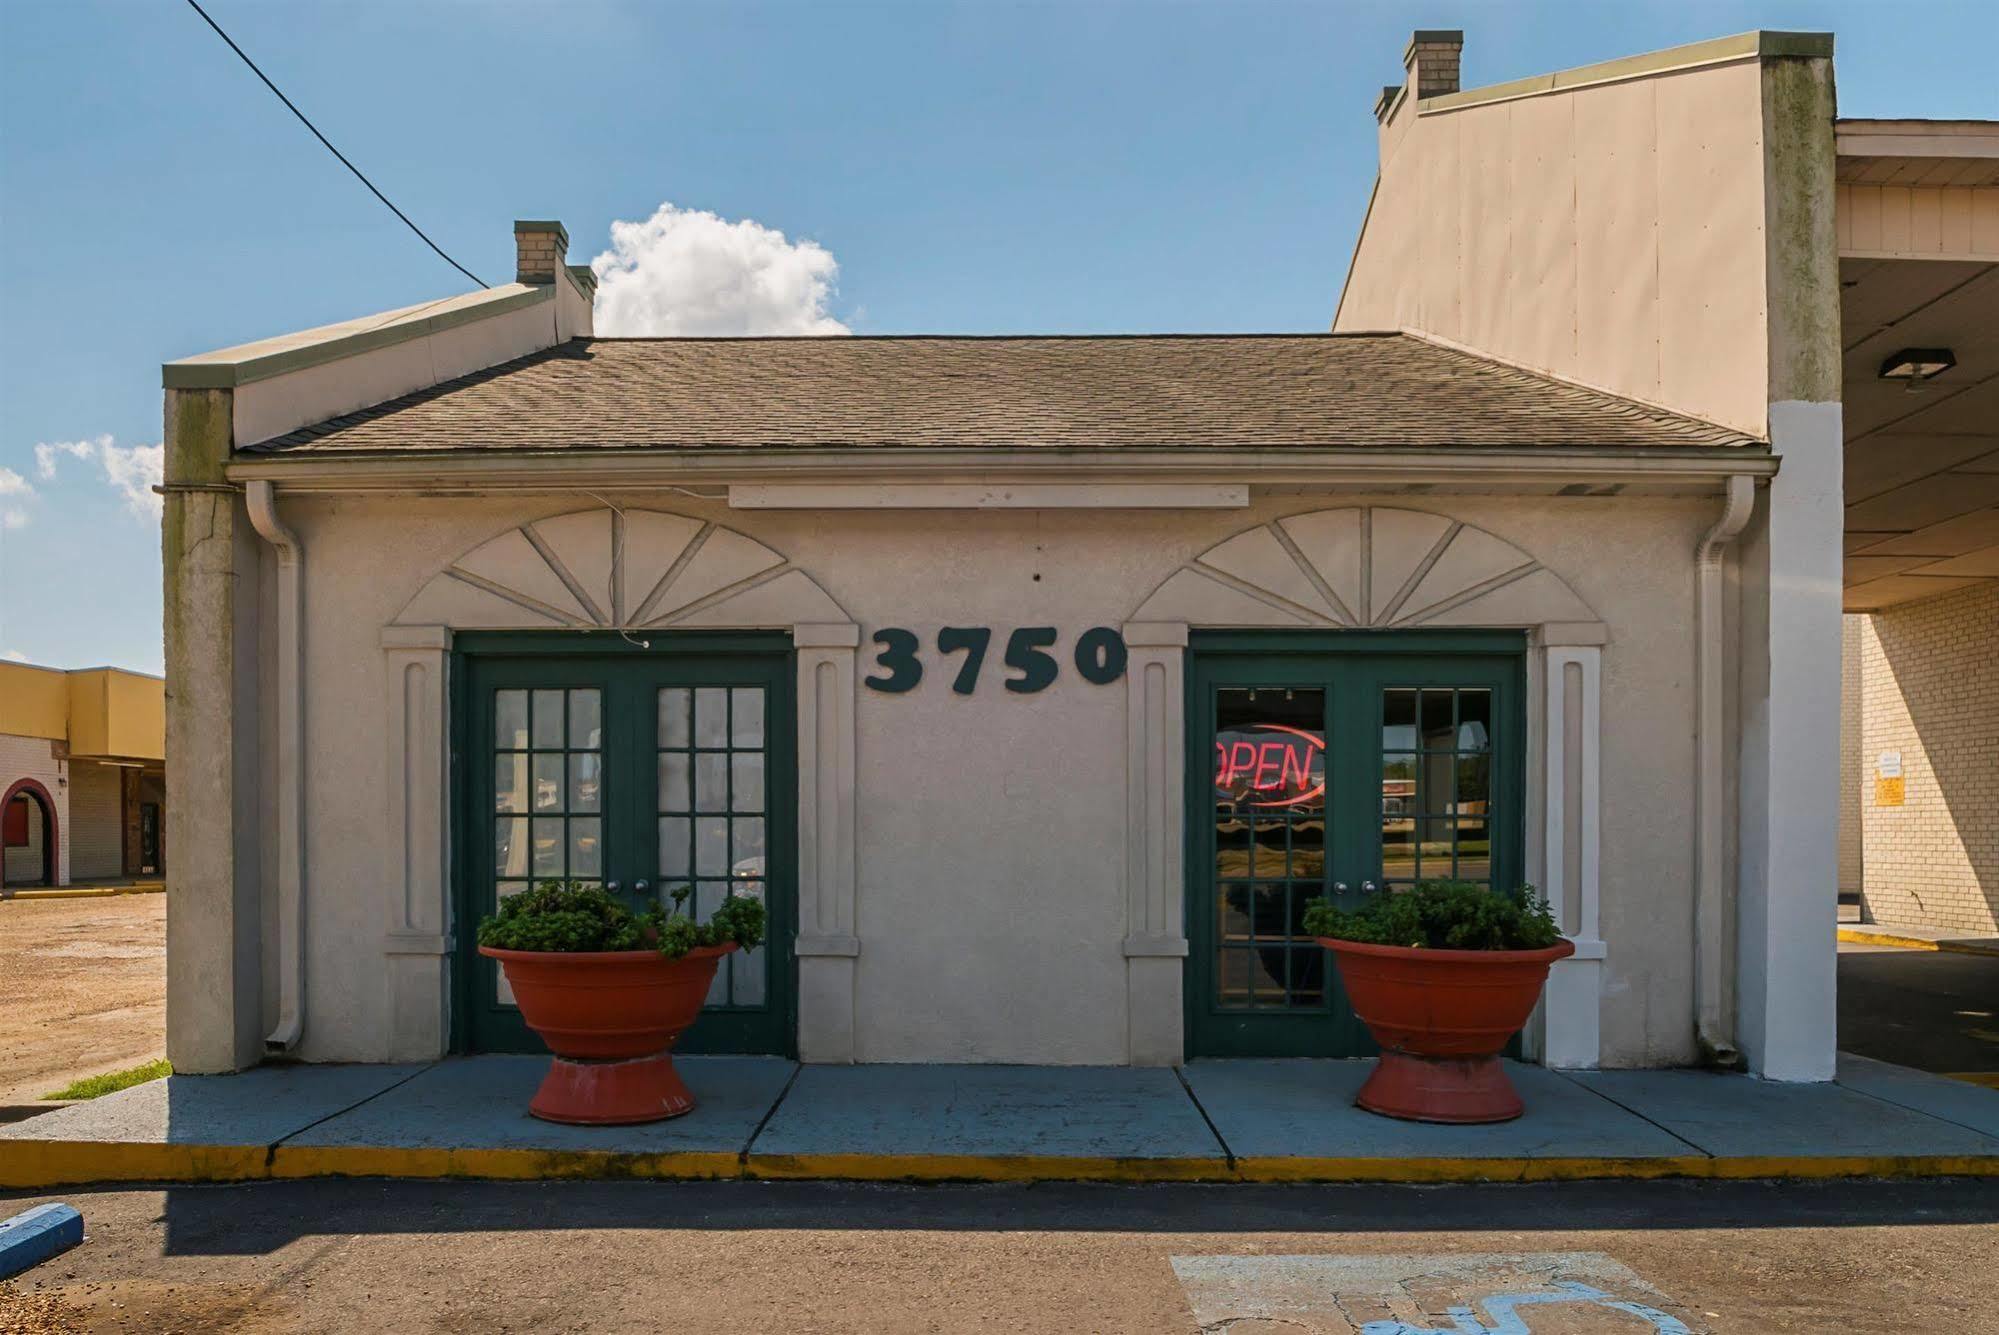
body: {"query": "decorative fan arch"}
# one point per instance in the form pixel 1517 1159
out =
pixel 620 569
pixel 1367 567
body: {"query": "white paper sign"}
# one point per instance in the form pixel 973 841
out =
pixel 1888 765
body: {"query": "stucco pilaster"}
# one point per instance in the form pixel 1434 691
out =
pixel 416 844
pixel 1155 944
pixel 827 947
pixel 1570 681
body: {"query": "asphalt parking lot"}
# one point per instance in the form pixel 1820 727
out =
pixel 1930 1009
pixel 725 1257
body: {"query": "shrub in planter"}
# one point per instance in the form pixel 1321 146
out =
pixel 611 991
pixel 1442 974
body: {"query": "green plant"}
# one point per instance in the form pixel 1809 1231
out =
pixel 573 916
pixel 1441 915
pixel 95 1086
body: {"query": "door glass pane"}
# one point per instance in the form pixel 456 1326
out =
pixel 713 834
pixel 1270 844
pixel 546 762
pixel 1437 807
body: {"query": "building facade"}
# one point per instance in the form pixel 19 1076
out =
pixel 82 776
pixel 1037 684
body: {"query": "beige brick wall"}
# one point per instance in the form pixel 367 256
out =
pixel 1852 752
pixel 96 824
pixel 1930 680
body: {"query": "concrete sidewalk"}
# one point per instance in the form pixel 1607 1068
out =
pixel 1220 1121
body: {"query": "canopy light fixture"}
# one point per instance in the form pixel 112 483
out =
pixel 1916 365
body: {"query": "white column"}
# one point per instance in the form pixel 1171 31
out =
pixel 828 945
pixel 417 839
pixel 1570 682
pixel 1155 944
pixel 1788 865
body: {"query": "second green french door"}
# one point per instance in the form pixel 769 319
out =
pixel 642 769
pixel 1340 766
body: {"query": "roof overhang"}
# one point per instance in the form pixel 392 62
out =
pixel 1910 153
pixel 1570 471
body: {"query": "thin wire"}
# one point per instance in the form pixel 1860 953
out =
pixel 331 149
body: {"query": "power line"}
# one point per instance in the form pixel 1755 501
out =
pixel 329 146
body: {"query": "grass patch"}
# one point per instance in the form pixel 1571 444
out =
pixel 95 1086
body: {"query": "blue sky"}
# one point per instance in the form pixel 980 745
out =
pixel 973 168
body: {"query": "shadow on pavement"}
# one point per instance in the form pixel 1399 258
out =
pixel 257 1218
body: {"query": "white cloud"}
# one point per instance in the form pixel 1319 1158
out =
pixel 13 484
pixel 130 470
pixel 14 656
pixel 47 453
pixel 13 517
pixel 685 271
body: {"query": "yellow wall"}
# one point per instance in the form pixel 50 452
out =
pixel 98 711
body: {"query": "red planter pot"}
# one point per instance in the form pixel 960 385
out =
pixel 611 1018
pixel 1441 1018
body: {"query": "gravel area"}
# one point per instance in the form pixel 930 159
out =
pixel 83 989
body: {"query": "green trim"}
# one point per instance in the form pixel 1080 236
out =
pixel 209 372
pixel 1353 668
pixel 1758 44
pixel 626 673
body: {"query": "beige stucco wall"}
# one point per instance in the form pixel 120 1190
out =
pixel 1930 677
pixel 991 901
pixel 1612 234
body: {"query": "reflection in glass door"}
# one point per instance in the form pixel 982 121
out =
pixel 1342 766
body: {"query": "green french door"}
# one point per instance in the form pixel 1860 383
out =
pixel 583 756
pixel 1341 765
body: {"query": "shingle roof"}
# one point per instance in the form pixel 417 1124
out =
pixel 1162 391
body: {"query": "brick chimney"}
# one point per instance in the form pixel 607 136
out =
pixel 1432 61
pixel 540 248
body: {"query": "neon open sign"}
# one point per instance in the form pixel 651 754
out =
pixel 1270 765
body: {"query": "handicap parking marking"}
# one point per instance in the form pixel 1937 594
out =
pixel 1435 1293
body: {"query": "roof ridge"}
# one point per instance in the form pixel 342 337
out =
pixel 984 338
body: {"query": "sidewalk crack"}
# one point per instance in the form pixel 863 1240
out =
pixel 271 1150
pixel 743 1155
pixel 1180 1073
pixel 1619 1103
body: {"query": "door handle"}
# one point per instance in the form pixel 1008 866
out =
pixel 612 886
pixel 1340 887
pixel 641 886
pixel 1368 887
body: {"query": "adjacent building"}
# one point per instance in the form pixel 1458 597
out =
pixel 82 776
pixel 1036 684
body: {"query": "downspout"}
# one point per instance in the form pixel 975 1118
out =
pixel 1712 1026
pixel 263 506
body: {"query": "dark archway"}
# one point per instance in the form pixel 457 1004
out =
pixel 32 798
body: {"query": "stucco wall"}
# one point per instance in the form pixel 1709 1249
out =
pixel 96 821
pixel 1930 677
pixel 34 758
pixel 1612 234
pixel 992 827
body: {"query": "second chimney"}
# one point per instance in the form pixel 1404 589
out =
pixel 1432 61
pixel 540 248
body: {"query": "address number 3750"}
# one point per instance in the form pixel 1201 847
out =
pixel 1099 657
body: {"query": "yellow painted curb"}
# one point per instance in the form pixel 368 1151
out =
pixel 1859 936
pixel 1989 1079
pixel 27 1164
pixel 984 1168
pixel 92 891
pixel 514 1165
